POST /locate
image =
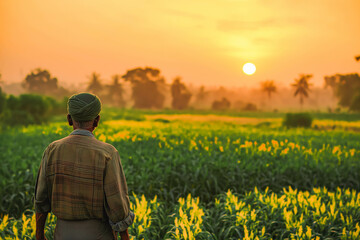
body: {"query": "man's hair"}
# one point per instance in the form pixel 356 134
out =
pixel 83 124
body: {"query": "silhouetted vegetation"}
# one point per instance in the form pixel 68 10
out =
pixel 180 95
pixel 297 120
pixel 95 86
pixel 41 82
pixel 355 103
pixel 302 87
pixel 116 92
pixel 268 87
pixel 146 84
pixel 221 105
pixel 202 94
pixel 250 107
pixel 110 94
pixel 346 88
pixel 201 97
pixel 150 91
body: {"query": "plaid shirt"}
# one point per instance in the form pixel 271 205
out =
pixel 82 178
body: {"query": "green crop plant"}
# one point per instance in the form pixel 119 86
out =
pixel 291 214
pixel 203 158
pixel 207 179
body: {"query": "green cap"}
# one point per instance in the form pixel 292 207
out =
pixel 84 107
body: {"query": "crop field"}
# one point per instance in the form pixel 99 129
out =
pixel 208 177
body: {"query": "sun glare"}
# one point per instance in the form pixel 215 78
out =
pixel 249 68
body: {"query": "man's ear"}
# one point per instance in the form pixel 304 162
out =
pixel 96 121
pixel 70 121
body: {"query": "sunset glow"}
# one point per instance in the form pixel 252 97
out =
pixel 249 68
pixel 201 41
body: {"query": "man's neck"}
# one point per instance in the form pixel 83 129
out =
pixel 87 129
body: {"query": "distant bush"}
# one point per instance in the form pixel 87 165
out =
pixel 29 109
pixel 57 107
pixel 222 104
pixel 250 107
pixel 297 120
pixel 355 103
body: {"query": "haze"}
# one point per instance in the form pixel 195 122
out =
pixel 205 42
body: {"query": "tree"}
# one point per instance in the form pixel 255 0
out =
pixel 95 86
pixel 268 87
pixel 355 103
pixel 222 104
pixel 145 83
pixel 41 82
pixel 201 97
pixel 357 58
pixel 302 87
pixel 180 94
pixel 250 107
pixel 345 87
pixel 221 92
pixel 202 94
pixel 116 92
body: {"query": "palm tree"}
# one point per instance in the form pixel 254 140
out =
pixel 268 87
pixel 116 91
pixel 302 87
pixel 95 85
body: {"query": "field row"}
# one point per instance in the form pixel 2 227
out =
pixel 171 160
pixel 291 214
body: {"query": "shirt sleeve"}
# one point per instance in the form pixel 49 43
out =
pixel 117 204
pixel 42 201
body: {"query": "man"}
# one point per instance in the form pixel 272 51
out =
pixel 81 180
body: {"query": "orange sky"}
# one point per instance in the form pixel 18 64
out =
pixel 203 41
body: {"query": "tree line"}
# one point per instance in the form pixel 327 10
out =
pixel 148 88
pixel 345 87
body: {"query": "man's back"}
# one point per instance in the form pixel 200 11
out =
pixel 81 178
pixel 75 173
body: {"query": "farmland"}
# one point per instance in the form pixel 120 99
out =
pixel 209 176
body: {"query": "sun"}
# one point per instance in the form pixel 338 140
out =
pixel 249 68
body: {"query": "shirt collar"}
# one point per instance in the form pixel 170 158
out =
pixel 82 132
